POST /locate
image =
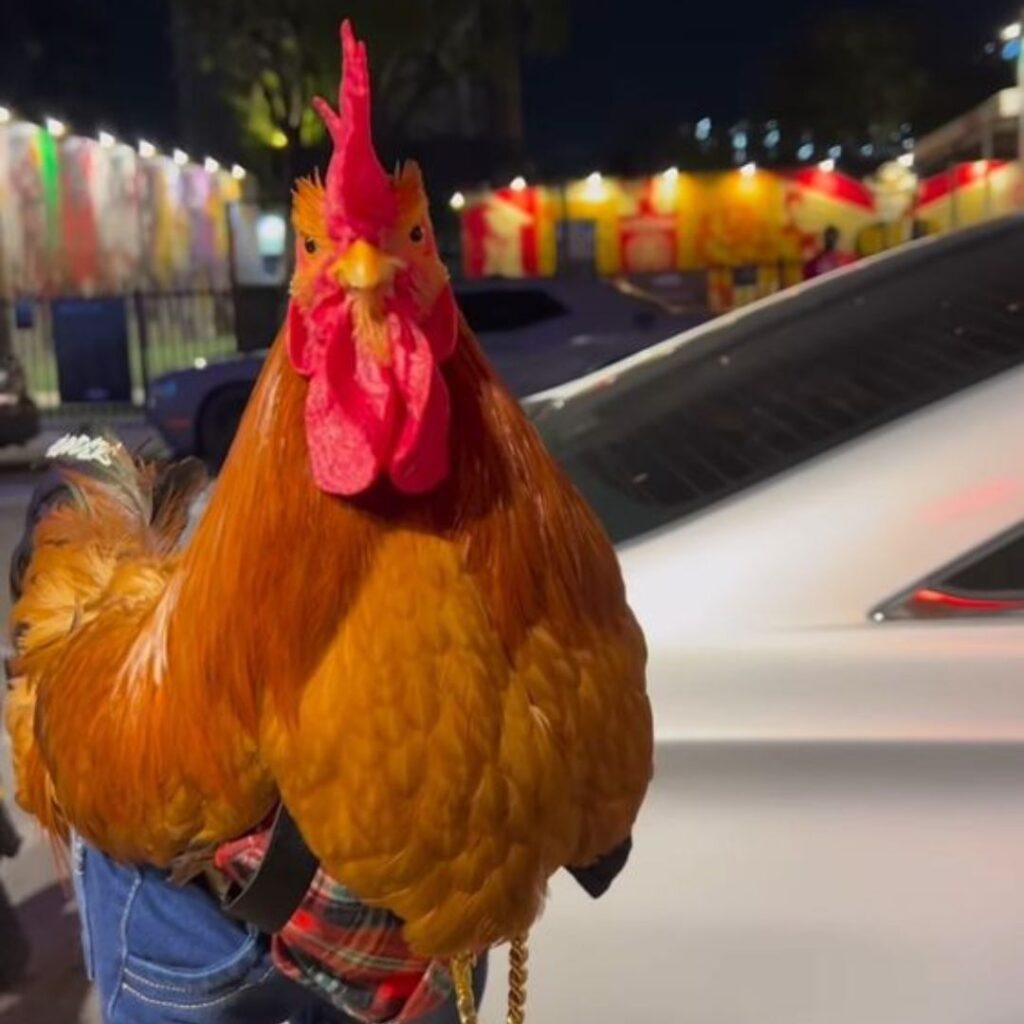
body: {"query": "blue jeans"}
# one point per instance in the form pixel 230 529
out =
pixel 166 954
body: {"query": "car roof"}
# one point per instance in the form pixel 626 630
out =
pixel 673 431
pixel 790 303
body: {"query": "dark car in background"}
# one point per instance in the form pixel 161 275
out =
pixel 537 333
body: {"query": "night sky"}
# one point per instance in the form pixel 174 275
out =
pixel 679 60
pixel 666 61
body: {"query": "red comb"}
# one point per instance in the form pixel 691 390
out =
pixel 359 193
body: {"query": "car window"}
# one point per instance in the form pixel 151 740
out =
pixel 987 581
pixel 1000 571
pixel 766 393
pixel 508 309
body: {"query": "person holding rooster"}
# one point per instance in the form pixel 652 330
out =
pixel 14 944
pixel 387 688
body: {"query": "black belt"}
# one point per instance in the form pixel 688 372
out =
pixel 281 882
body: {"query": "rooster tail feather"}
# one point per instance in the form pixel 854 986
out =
pixel 152 501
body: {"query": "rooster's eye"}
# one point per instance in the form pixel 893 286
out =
pixel 416 235
pixel 310 246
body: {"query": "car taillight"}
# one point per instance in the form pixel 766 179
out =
pixel 930 600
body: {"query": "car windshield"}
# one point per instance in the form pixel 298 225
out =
pixel 749 399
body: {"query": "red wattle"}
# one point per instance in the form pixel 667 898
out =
pixel 420 458
pixel 365 418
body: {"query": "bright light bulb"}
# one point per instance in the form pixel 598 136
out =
pixel 210 165
pixel 671 175
pixel 906 160
pixel 595 190
pixel 457 201
pixel 5 115
pixel 180 157
pixel 748 170
pixel 518 183
pixel 835 152
pixel 56 127
pixel 806 151
pixel 146 149
pixel 106 140
pixel 238 172
pixel 827 166
pixel 1010 33
pixel 200 363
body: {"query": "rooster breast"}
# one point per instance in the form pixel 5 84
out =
pixel 440 775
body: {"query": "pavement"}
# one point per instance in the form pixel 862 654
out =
pixel 56 990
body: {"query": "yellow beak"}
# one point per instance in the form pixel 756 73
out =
pixel 364 267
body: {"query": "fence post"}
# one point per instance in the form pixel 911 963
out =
pixel 143 328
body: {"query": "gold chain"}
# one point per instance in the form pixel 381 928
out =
pixel 462 975
pixel 518 975
pixel 518 956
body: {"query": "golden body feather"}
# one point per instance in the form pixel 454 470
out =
pixel 447 691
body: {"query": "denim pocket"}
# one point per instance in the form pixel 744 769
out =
pixel 184 959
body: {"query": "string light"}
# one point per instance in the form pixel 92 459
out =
pixel 518 183
pixel 595 190
pixel 457 201
pixel 827 166
pixel 107 140
pixel 748 170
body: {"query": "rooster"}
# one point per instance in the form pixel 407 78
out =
pixel 396 616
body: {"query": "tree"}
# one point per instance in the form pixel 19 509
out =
pixel 440 66
pixel 855 74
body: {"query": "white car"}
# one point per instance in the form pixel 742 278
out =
pixel 819 504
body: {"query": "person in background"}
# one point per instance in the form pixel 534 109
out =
pixel 830 258
pixel 14 947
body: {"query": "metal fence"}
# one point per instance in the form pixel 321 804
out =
pixel 98 355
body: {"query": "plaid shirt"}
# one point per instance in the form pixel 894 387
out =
pixel 353 955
